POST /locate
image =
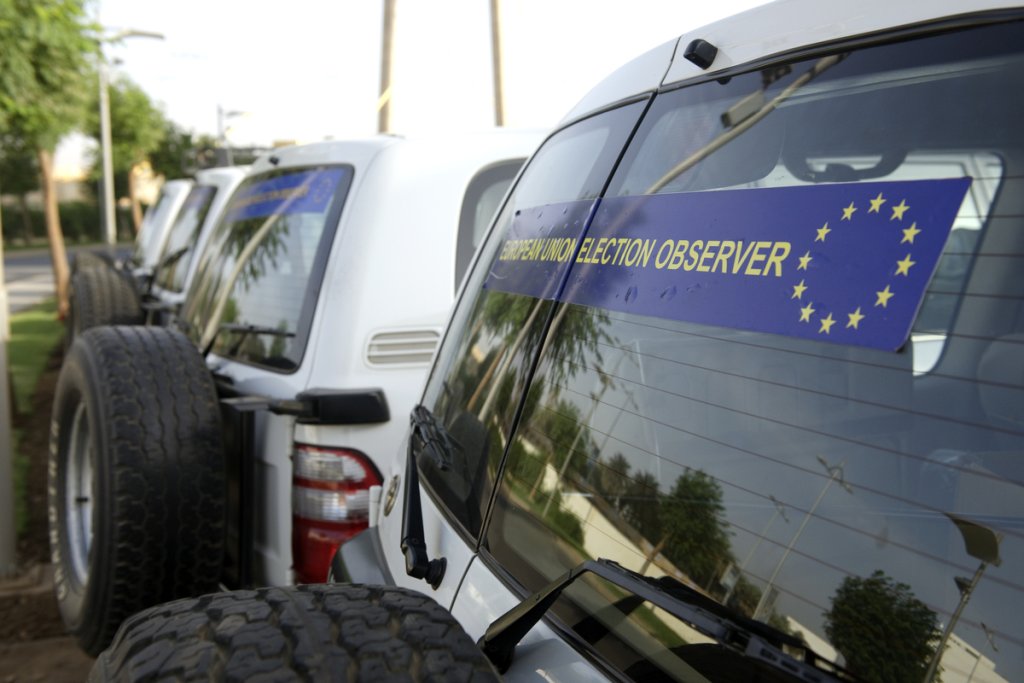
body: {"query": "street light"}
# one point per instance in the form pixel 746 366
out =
pixel 105 144
pixel 981 543
pixel 222 131
pixel 835 473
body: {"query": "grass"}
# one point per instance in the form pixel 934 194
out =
pixel 35 333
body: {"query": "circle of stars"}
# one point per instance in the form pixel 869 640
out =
pixel 883 296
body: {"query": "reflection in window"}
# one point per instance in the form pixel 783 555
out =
pixel 252 297
pixel 865 503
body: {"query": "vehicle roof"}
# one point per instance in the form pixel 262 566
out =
pixel 765 31
pixel 361 152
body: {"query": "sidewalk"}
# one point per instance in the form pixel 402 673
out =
pixel 33 646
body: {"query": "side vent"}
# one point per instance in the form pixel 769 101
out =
pixel 402 348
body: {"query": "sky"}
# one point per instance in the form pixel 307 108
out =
pixel 306 70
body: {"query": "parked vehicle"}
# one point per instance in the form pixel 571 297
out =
pixel 734 390
pixel 150 284
pixel 334 265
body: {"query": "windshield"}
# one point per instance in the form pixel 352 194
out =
pixel 256 287
pixel 177 254
pixel 786 369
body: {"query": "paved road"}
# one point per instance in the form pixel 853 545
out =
pixel 29 277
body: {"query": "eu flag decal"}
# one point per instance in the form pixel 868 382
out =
pixel 307 191
pixel 842 263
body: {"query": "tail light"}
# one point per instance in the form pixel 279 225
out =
pixel 330 504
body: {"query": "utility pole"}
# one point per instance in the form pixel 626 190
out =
pixel 386 53
pixel 8 547
pixel 499 85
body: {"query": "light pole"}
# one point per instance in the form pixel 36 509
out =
pixel 835 475
pixel 109 226
pixel 222 131
pixel 983 544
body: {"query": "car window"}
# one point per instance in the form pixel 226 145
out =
pixel 177 253
pixel 482 369
pixel 254 295
pixel 482 199
pixel 786 375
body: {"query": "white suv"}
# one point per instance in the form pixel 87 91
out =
pixel 734 390
pixel 316 306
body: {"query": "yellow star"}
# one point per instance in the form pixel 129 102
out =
pixel 903 267
pixel 899 210
pixel 798 290
pixel 826 324
pixel 822 231
pixel 876 204
pixel 848 212
pixel 804 260
pixel 910 233
pixel 855 318
pixel 805 313
pixel 883 297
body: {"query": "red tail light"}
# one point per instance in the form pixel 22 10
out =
pixel 330 504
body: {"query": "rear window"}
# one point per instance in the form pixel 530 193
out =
pixel 786 374
pixel 257 285
pixel 177 255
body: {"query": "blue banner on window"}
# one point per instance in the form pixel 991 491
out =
pixel 300 192
pixel 846 263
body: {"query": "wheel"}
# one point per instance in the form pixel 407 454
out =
pixel 314 632
pixel 137 485
pixel 85 260
pixel 101 296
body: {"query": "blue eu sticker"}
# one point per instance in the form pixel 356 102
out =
pixel 845 263
pixel 308 191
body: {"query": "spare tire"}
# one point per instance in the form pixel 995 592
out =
pixel 137 484
pixel 311 633
pixel 84 260
pixel 102 296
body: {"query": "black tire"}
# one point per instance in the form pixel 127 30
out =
pixel 86 260
pixel 102 296
pixel 316 632
pixel 137 483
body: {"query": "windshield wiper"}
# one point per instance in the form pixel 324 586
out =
pixel 745 636
pixel 431 439
pixel 243 331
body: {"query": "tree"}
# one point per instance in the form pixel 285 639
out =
pixel 180 153
pixel 885 633
pixel 691 518
pixel 44 80
pixel 19 175
pixel 137 127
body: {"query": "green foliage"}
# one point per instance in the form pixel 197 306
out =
pixel 44 68
pixel 19 169
pixel 691 515
pixel 137 125
pixel 885 633
pixel 79 220
pixel 180 153
pixel 35 334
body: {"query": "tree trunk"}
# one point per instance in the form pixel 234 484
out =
pixel 26 219
pixel 58 255
pixel 133 196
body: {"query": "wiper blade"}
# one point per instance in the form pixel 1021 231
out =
pixel 745 636
pixel 431 439
pixel 244 330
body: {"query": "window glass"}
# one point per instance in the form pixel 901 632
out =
pixel 483 197
pixel 254 295
pixel 846 480
pixel 174 262
pixel 483 366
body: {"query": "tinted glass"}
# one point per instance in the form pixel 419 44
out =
pixel 177 254
pixel 256 288
pixel 483 197
pixel 787 373
pixel 481 370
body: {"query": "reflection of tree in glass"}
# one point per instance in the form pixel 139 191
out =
pixel 265 254
pixel 691 519
pixel 884 632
